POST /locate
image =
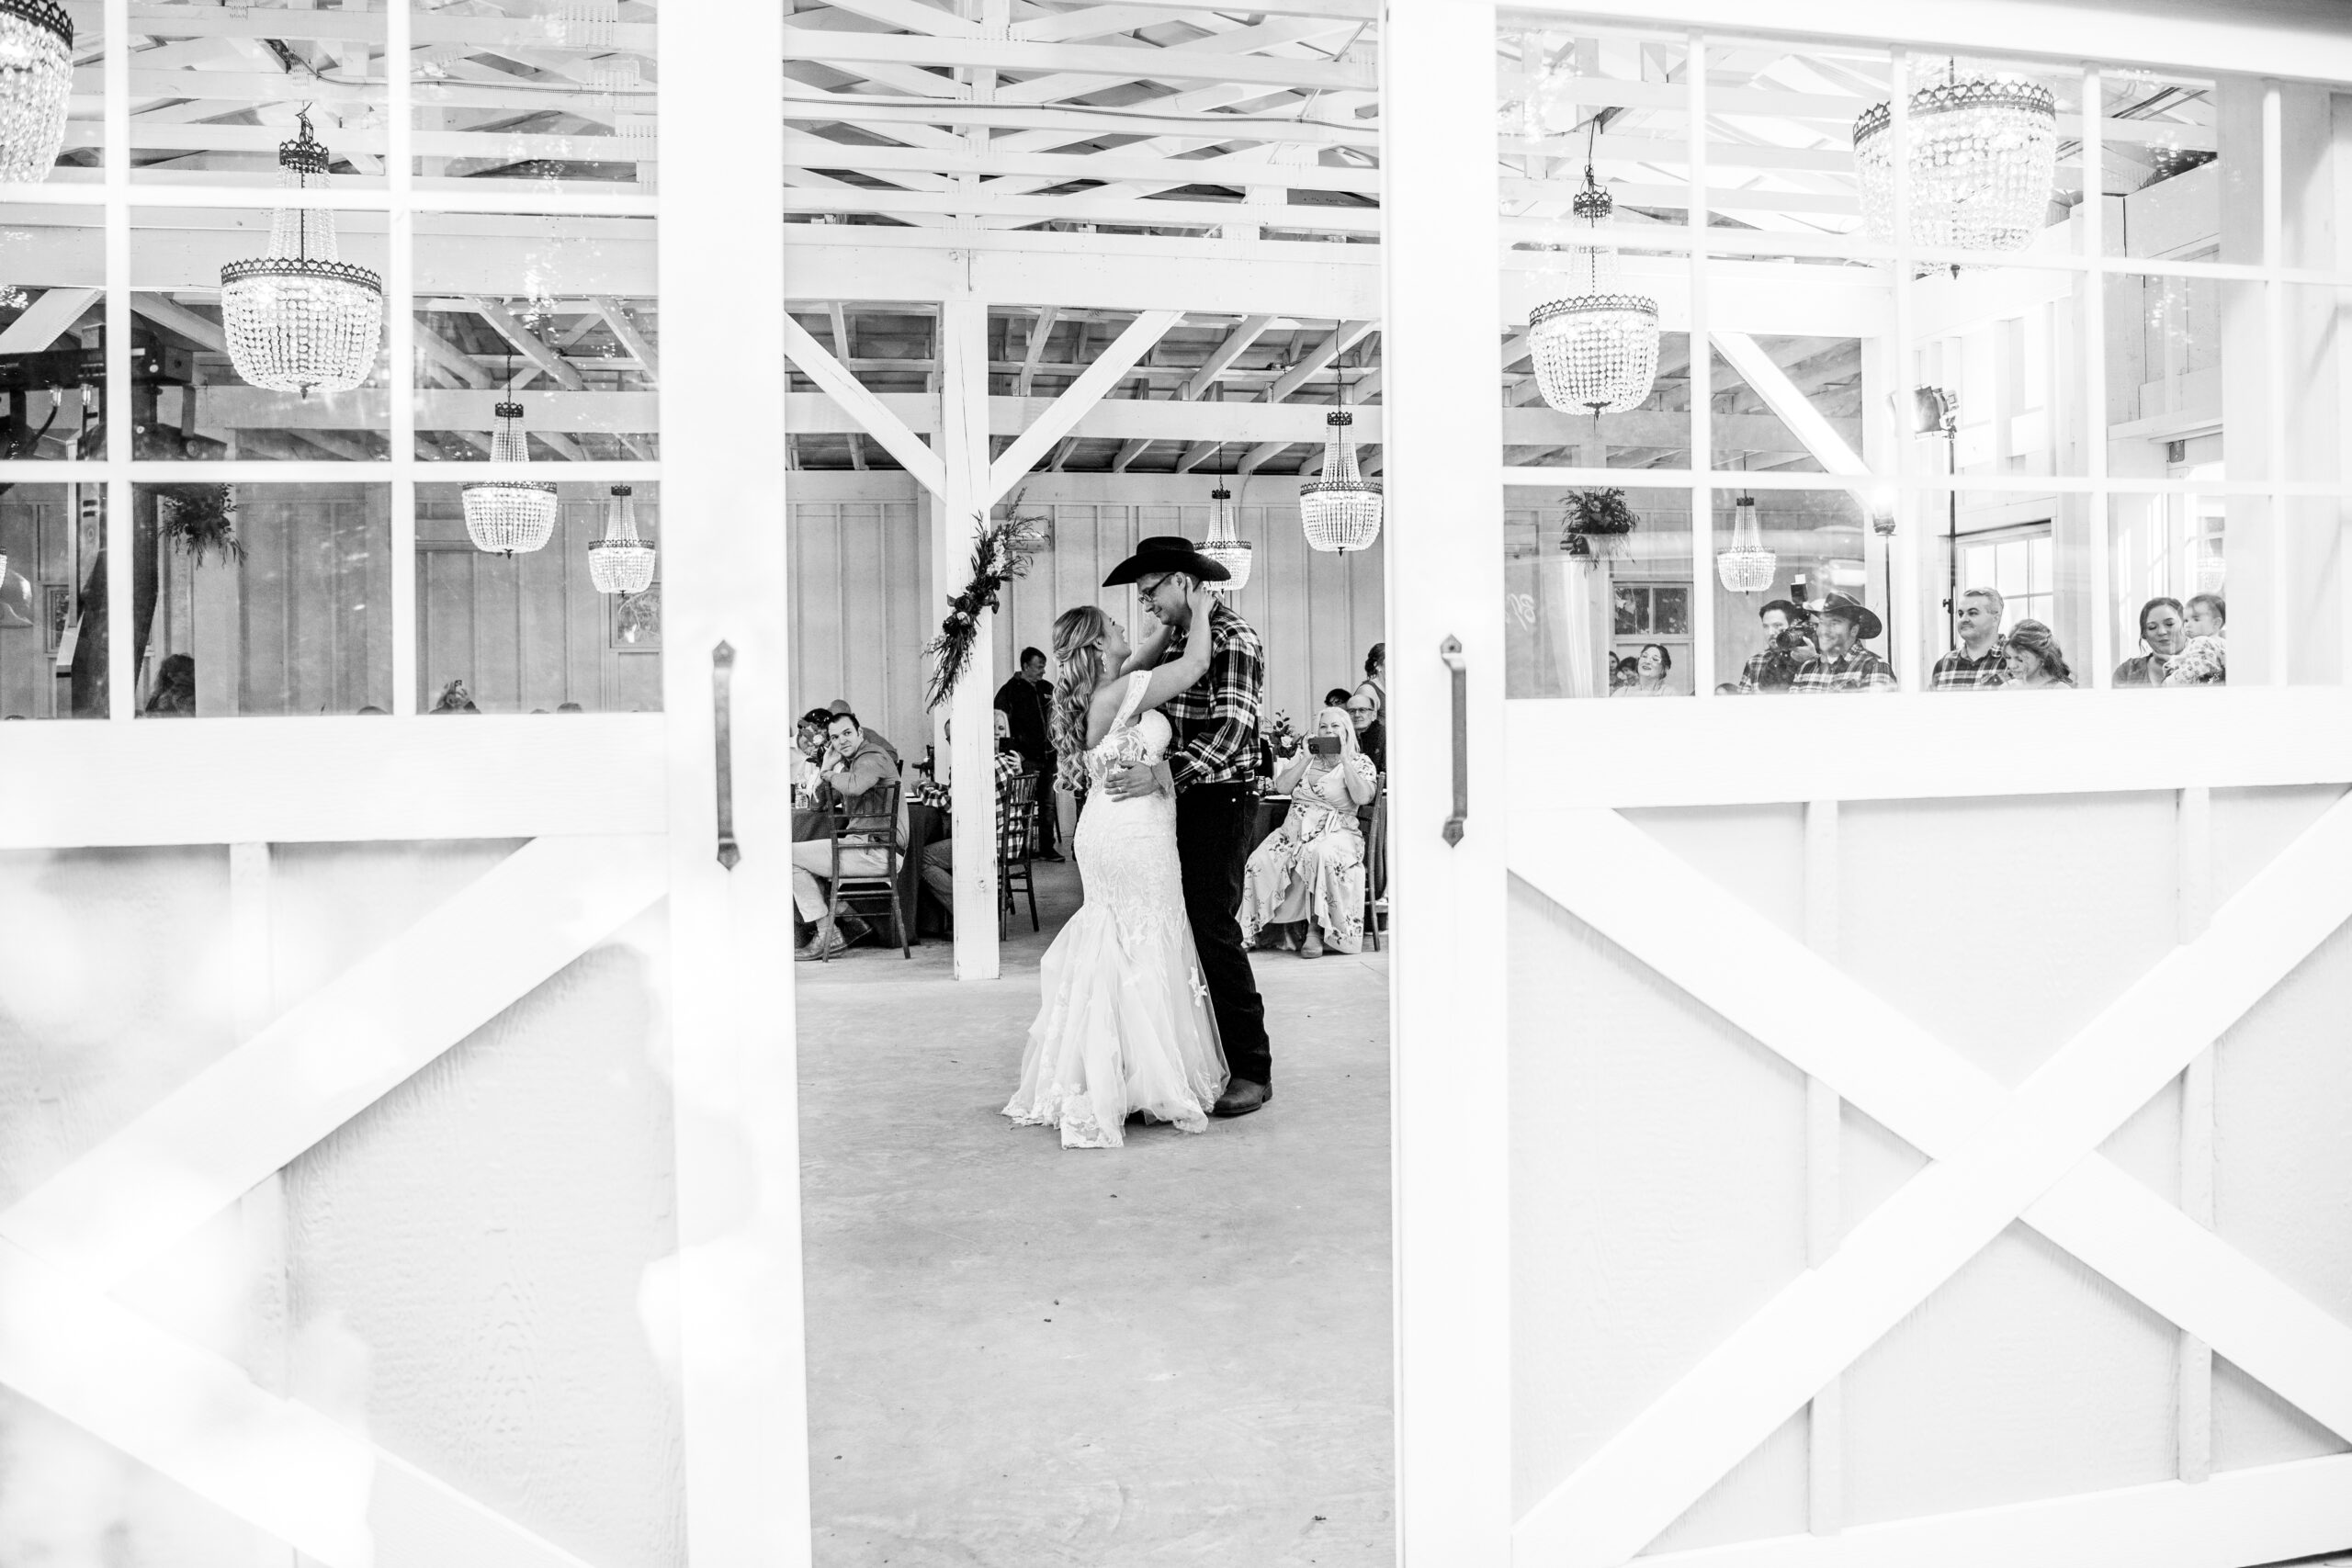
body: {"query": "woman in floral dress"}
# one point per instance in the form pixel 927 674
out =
pixel 1311 870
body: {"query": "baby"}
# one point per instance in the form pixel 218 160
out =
pixel 2207 614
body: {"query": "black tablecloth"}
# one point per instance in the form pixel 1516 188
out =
pixel 926 825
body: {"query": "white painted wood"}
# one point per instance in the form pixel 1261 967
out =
pixel 1450 1078
pixel 964 502
pixel 123 674
pixel 863 406
pixel 1198 61
pixel 1825 1187
pixel 1659 1464
pixel 336 778
pixel 1902 747
pixel 324 1060
pixel 1091 386
pixel 307 1479
pixel 736 1291
pixel 1788 400
pixel 261 1213
pixel 1701 375
pixel 48 315
pixel 2245 1516
pixel 2194 1369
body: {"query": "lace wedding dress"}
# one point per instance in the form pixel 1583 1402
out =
pixel 1126 1024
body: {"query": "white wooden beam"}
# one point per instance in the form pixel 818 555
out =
pixel 1787 399
pixel 1141 212
pixel 44 318
pixel 1032 351
pixel 872 417
pixel 1199 62
pixel 196 1418
pixel 1235 344
pixel 1344 336
pixel 964 506
pixel 166 312
pixel 640 348
pixel 912 14
pixel 1096 380
pixel 332 1055
pixel 541 357
pixel 2268 1514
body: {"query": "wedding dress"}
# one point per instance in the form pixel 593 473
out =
pixel 1126 1024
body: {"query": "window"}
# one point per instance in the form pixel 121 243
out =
pixel 2016 564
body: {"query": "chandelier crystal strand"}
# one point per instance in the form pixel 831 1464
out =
pixel 1596 346
pixel 1984 157
pixel 35 80
pixel 1341 510
pixel 620 562
pixel 508 515
pixel 301 319
pixel 1747 566
pixel 1226 548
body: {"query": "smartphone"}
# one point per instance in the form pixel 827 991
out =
pixel 1323 745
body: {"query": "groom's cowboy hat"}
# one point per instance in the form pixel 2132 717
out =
pixel 1865 620
pixel 1163 553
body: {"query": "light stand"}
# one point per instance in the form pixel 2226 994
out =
pixel 1935 412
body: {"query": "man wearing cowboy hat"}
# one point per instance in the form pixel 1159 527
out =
pixel 1840 627
pixel 1214 762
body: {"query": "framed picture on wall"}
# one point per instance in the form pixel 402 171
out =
pixel 57 608
pixel 637 622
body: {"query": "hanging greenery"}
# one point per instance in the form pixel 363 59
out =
pixel 999 555
pixel 1589 514
pixel 199 520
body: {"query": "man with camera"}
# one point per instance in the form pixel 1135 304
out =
pixel 1788 643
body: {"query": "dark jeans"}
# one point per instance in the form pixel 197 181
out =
pixel 1213 844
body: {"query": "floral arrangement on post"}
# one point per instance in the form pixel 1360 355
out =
pixel 999 555
pixel 1589 514
pixel 2204 662
pixel 199 519
pixel 1282 735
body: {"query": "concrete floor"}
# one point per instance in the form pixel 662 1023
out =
pixel 1174 1352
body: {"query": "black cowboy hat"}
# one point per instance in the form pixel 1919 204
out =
pixel 1866 622
pixel 1166 552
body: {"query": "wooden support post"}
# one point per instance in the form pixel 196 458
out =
pixel 261 1213
pixel 964 454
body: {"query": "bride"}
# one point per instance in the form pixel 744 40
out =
pixel 1125 1025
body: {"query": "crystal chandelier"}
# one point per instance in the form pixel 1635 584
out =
pixel 507 515
pixel 1983 155
pixel 1595 347
pixel 1225 546
pixel 36 78
pixel 298 319
pixel 1748 566
pixel 620 562
pixel 1340 508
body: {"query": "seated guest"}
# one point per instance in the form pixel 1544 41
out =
pixel 1978 663
pixel 454 698
pixel 1651 668
pixel 175 688
pixel 1311 869
pixel 2164 631
pixel 1336 697
pixel 1840 627
pixel 1375 680
pixel 854 778
pixel 2032 659
pixel 939 856
pixel 808 746
pixel 1372 730
pixel 841 705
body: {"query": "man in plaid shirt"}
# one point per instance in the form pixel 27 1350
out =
pixel 1213 763
pixel 1839 627
pixel 1981 661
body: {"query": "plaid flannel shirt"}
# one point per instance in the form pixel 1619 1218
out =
pixel 1217 720
pixel 1955 672
pixel 1858 670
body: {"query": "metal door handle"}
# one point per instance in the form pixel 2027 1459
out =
pixel 1450 651
pixel 722 702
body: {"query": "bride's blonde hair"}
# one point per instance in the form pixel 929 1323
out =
pixel 1078 650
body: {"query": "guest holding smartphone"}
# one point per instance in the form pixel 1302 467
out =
pixel 1310 872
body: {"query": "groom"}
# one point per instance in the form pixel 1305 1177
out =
pixel 1214 762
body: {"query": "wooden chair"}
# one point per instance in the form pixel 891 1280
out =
pixel 1016 844
pixel 1376 865
pixel 871 892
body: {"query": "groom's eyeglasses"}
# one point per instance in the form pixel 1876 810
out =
pixel 1144 591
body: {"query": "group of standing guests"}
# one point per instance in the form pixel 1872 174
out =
pixel 1816 647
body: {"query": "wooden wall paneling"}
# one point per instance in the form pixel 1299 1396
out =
pixel 540 606
pixel 496 678
pixel 586 627
pixel 817 626
pixel 261 647
pixel 864 591
pixel 446 604
pixel 307 651
pixel 1330 654
pixel 23 661
pixel 903 630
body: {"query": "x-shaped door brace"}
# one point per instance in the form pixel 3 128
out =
pixel 1997 1156
pixel 195 1416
